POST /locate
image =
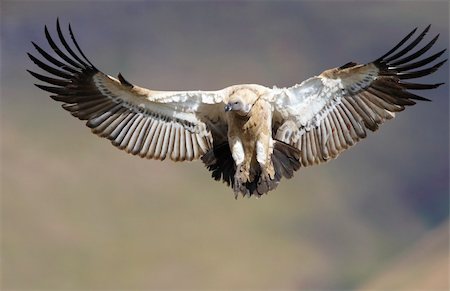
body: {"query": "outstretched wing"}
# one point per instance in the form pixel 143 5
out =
pixel 328 113
pixel 151 124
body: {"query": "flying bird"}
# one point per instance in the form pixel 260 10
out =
pixel 249 136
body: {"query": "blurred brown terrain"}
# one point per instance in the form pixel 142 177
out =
pixel 423 266
pixel 76 213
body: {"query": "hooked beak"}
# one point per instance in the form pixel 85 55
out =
pixel 228 107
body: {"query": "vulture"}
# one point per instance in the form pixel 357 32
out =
pixel 249 136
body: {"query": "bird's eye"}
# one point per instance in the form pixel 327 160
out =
pixel 236 103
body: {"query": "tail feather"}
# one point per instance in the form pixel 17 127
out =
pixel 285 159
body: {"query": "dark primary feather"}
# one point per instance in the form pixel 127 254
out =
pixel 416 54
pixel 67 47
pixel 408 47
pixel 390 65
pixel 397 67
pixel 397 45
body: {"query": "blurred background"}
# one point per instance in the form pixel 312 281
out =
pixel 77 213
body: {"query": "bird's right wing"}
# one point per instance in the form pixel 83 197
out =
pixel 327 114
pixel 151 124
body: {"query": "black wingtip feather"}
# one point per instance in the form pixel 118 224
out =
pixel 425 99
pixel 53 81
pixel 396 65
pixel 396 46
pixel 416 86
pixel 421 73
pixel 67 47
pixel 418 64
pixel 416 54
pixel 55 90
pixel 59 52
pixel 48 68
pixel 409 47
pixel 69 66
pixel 72 36
pixel 54 61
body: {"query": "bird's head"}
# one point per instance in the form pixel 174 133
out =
pixel 241 101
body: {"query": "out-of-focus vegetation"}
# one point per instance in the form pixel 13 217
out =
pixel 79 214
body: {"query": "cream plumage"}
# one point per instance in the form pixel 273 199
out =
pixel 249 136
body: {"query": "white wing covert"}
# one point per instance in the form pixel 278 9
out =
pixel 326 114
pixel 151 124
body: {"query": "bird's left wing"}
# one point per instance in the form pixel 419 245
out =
pixel 151 124
pixel 328 113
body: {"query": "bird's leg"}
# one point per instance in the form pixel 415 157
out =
pixel 242 167
pixel 264 149
pixel 264 141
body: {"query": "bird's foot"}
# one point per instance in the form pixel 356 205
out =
pixel 241 177
pixel 266 181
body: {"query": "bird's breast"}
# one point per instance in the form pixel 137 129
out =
pixel 250 127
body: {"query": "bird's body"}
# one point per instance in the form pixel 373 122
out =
pixel 250 139
pixel 249 136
